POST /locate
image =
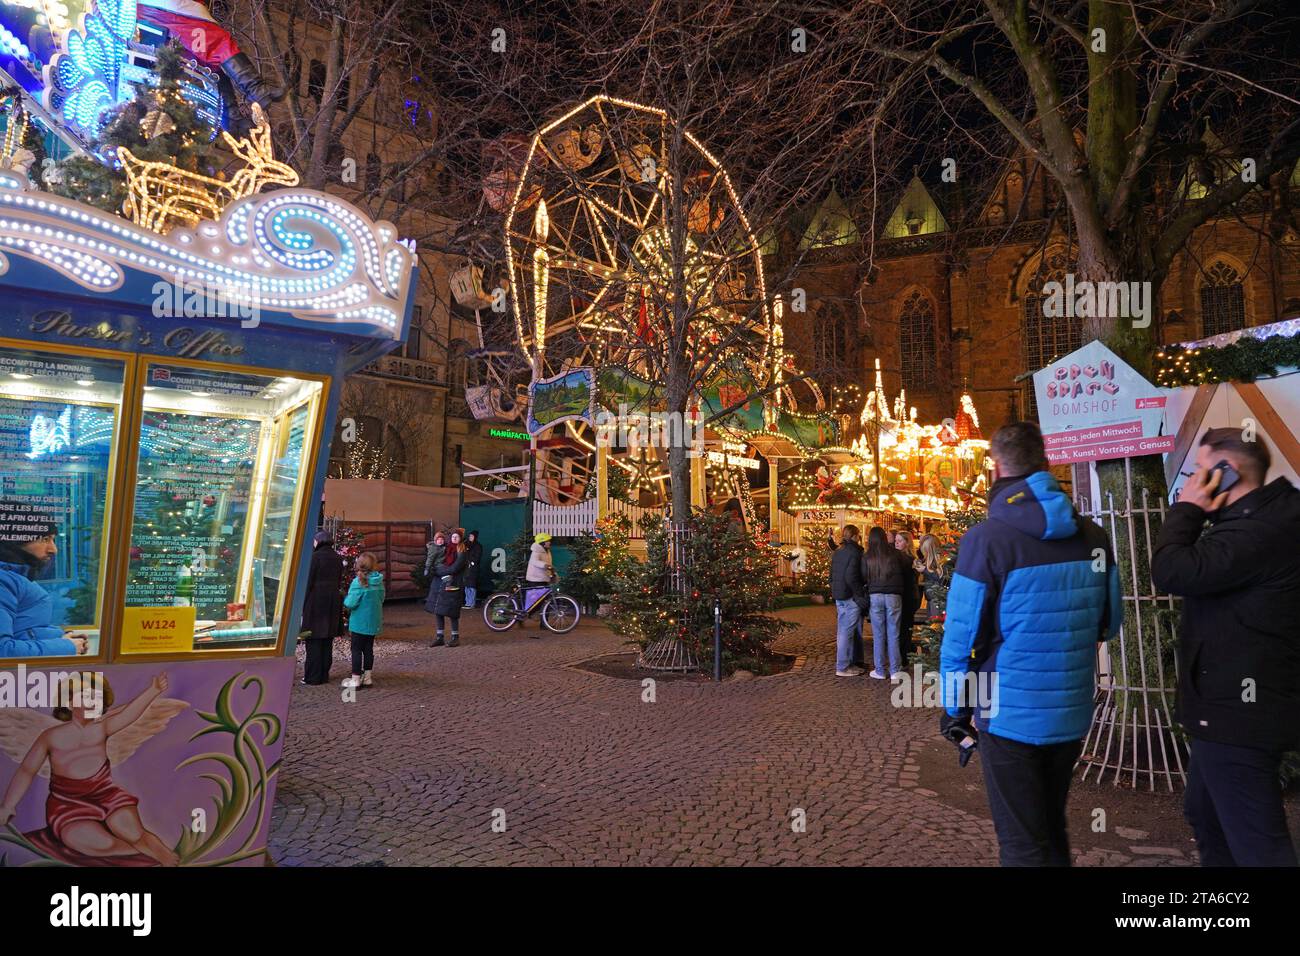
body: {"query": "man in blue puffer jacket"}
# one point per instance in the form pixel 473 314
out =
pixel 1034 591
pixel 26 608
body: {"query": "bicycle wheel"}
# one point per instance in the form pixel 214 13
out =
pixel 500 611
pixel 560 613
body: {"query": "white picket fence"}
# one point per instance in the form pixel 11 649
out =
pixel 564 521
pixel 634 513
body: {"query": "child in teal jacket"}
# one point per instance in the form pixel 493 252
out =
pixel 365 604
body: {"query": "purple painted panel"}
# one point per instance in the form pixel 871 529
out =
pixel 178 767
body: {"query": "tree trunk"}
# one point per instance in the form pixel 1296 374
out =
pixel 1137 662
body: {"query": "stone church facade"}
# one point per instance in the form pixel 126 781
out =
pixel 952 301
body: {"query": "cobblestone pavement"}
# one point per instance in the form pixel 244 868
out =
pixel 580 770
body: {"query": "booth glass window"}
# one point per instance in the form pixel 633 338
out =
pixel 59 418
pixel 219 496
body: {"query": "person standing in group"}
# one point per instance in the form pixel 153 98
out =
pixel 886 580
pixel 449 600
pixel 473 560
pixel 849 594
pixel 1239 647
pixel 434 552
pixel 1034 591
pixel 911 594
pixel 540 568
pixel 365 604
pixel 929 564
pixel 322 610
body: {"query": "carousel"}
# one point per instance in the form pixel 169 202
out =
pixel 905 474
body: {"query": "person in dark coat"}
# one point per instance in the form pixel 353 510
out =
pixel 886 580
pixel 322 611
pixel 1238 648
pixel 473 560
pixel 448 600
pixel 911 595
pixel 850 597
pixel 435 550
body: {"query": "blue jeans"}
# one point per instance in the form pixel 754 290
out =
pixel 848 634
pixel 886 615
pixel 471 595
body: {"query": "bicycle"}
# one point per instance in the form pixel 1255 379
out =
pixel 559 612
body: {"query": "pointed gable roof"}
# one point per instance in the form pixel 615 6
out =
pixel 917 214
pixel 831 224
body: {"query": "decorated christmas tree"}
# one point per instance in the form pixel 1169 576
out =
pixel 23 146
pixel 932 635
pixel 721 561
pixel 815 578
pixel 159 124
pixel 600 561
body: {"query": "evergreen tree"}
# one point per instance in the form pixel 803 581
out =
pixel 723 561
pixel 158 124
pixel 33 138
pixel 601 560
pixel 932 637
pixel 816 575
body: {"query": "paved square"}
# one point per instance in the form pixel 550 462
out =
pixel 581 771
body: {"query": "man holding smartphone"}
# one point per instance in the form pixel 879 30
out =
pixel 1239 646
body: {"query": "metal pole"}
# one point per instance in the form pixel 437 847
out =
pixel 460 504
pixel 532 484
pixel 717 638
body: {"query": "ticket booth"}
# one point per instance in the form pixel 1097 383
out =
pixel 166 404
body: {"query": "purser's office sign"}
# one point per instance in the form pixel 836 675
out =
pixel 184 342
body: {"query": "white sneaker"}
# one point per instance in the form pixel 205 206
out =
pixel 353 681
pixel 877 675
pixel 367 680
pixel 854 671
pixel 898 675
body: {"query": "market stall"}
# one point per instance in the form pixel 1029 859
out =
pixel 166 397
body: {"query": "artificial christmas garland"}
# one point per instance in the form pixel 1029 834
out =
pixel 1244 360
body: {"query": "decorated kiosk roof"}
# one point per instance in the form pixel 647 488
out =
pixel 302 258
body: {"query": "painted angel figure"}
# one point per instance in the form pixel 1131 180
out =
pixel 90 821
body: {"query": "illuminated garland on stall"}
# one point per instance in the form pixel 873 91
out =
pixel 1244 360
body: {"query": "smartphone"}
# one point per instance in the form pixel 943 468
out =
pixel 1228 475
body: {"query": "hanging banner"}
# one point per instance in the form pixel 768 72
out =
pixel 568 396
pixel 1094 406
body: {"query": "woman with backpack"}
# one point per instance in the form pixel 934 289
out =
pixel 449 599
pixel 365 604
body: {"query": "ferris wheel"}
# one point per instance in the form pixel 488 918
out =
pixel 608 201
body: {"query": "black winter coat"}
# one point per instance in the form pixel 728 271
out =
pixel 896 577
pixel 322 610
pixel 451 597
pixel 474 555
pixel 1240 584
pixel 846 573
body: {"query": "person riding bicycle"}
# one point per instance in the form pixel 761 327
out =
pixel 540 568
